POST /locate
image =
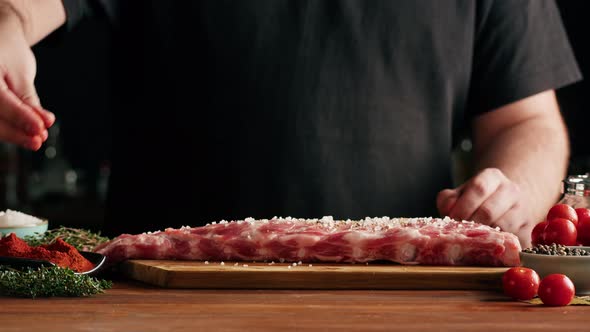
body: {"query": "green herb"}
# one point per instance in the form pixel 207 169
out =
pixel 49 282
pixel 81 239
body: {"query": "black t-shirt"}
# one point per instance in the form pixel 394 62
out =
pixel 232 109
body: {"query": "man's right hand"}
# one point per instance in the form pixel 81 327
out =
pixel 22 119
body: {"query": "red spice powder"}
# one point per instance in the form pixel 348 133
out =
pixel 59 252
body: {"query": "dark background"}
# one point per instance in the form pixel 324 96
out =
pixel 66 181
pixel 574 99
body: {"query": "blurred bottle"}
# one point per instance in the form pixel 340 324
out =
pixel 54 177
pixel 102 180
pixel 72 176
pixel 8 176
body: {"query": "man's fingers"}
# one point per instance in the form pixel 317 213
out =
pixel 44 135
pixel 48 117
pixel 18 137
pixel 29 96
pixel 475 192
pixel 18 114
pixel 24 90
pixel 513 222
pixel 445 201
pixel 498 204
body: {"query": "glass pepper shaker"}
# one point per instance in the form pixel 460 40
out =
pixel 575 191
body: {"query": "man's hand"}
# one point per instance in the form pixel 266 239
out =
pixel 527 141
pixel 22 119
pixel 489 198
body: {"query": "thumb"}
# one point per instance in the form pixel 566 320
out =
pixel 30 97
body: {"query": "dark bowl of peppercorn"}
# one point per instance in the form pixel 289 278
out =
pixel 574 262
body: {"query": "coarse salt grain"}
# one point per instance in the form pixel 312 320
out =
pixel 368 223
pixel 11 218
pixel 206 262
pixel 222 263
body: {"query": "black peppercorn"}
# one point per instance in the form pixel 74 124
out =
pixel 556 250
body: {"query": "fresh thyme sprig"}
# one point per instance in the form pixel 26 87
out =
pixel 81 239
pixel 49 282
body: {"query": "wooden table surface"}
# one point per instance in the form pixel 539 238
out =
pixel 132 306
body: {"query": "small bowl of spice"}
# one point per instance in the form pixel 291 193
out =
pixel 573 261
pixel 21 224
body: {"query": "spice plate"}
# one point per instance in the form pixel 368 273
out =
pixel 577 268
pixel 22 263
pixel 96 259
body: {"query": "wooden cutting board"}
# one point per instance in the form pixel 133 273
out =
pixel 244 275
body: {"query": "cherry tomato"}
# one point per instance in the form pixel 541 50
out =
pixel 560 231
pixel 520 283
pixel 563 211
pixel 582 213
pixel 556 290
pixel 538 233
pixel 583 226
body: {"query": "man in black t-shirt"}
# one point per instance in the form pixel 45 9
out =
pixel 230 109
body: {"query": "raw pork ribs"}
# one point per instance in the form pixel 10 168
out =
pixel 426 241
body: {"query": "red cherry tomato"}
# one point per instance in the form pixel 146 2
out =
pixel 583 226
pixel 563 211
pixel 560 231
pixel 538 233
pixel 556 290
pixel 520 283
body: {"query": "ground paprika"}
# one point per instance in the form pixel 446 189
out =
pixel 59 252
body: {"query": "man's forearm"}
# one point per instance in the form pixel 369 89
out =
pixel 38 18
pixel 534 153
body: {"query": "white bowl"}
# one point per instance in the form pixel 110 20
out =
pixel 577 268
pixel 22 231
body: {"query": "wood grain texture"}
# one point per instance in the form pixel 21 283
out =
pixel 134 306
pixel 231 275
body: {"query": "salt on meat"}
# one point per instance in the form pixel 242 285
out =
pixel 426 241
